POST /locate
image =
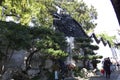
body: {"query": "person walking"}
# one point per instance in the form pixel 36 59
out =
pixel 56 75
pixel 118 65
pixel 107 64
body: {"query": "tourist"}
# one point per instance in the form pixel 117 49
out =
pixel 107 64
pixel 56 75
pixel 118 65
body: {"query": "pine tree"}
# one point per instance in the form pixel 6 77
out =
pixel 84 50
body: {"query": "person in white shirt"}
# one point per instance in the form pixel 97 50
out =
pixel 56 75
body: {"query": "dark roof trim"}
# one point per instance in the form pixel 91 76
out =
pixel 69 26
pixel 105 42
pixel 116 6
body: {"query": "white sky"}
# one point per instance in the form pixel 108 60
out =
pixel 107 21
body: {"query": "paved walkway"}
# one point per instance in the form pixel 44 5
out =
pixel 114 76
pixel 118 77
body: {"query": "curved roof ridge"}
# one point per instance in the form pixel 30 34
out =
pixel 95 38
pixel 68 25
pixel 98 40
pixel 80 27
pixel 103 41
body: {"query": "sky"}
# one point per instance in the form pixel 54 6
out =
pixel 107 21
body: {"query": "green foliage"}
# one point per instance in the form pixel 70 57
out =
pixel 89 57
pixel 48 41
pixel 25 10
pixel 79 39
pixel 95 57
pixel 16 36
pixel 78 57
pixel 87 45
pixel 84 43
pixel 55 53
pixel 1 55
pixel 35 78
pixel 40 12
pixel 80 12
pixel 77 72
pixel 94 47
pixel 84 50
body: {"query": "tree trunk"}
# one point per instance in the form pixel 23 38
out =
pixel 28 60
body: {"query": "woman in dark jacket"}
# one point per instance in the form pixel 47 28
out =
pixel 107 64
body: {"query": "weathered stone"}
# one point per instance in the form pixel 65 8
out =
pixel 7 75
pixel 33 72
pixel 48 63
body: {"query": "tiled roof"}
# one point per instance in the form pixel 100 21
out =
pixel 69 26
pixel 116 6
pixel 105 42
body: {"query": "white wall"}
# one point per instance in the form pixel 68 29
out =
pixel 105 51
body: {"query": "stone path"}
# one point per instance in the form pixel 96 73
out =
pixel 114 76
pixel 118 77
